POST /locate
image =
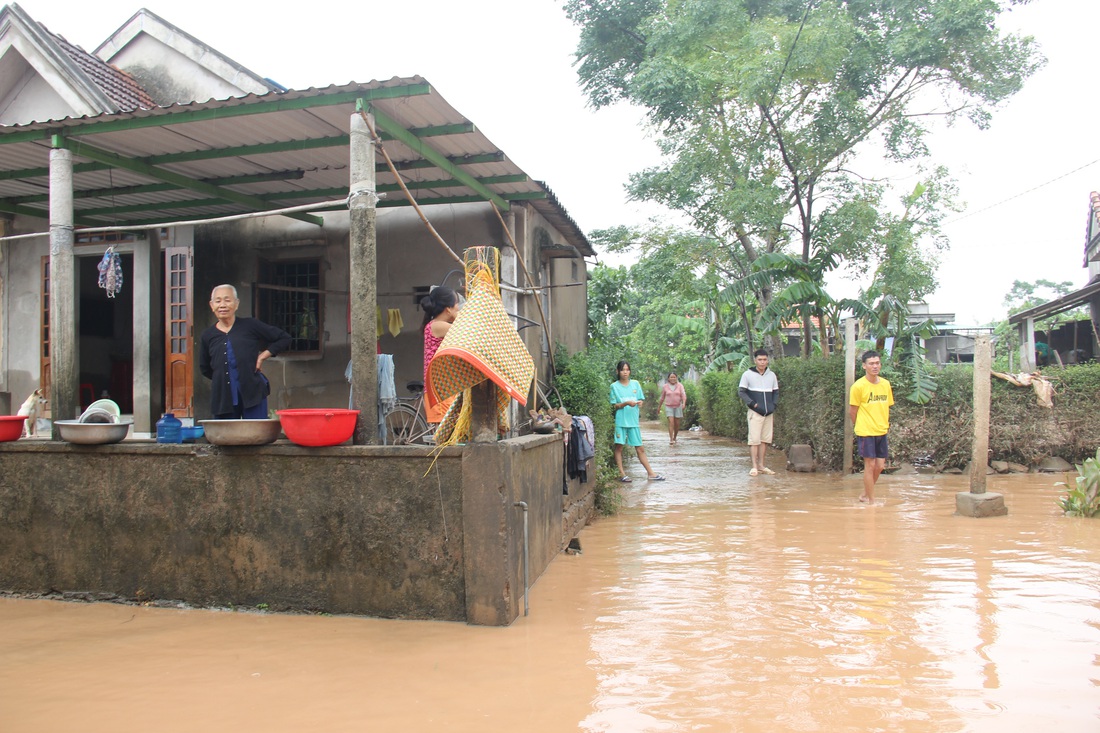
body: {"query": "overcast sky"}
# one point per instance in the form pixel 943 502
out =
pixel 507 65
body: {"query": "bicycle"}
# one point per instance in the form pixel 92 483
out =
pixel 405 424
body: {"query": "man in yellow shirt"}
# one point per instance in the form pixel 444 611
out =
pixel 869 407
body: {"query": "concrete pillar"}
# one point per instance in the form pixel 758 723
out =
pixel 510 275
pixel 64 359
pixel 148 360
pixel 488 552
pixel 979 457
pixel 363 283
pixel 484 426
pixel 849 380
pixel 5 396
pixel 978 502
pixel 1026 332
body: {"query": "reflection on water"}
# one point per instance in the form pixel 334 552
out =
pixel 714 601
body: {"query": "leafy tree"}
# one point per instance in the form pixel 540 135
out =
pixel 658 346
pixel 612 306
pixel 761 107
pixel 679 322
pixel 1025 295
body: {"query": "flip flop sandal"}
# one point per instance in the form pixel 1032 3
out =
pixel 754 472
pixel 658 477
pixel 767 471
pixel 625 479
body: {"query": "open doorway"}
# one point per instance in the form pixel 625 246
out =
pixel 106 336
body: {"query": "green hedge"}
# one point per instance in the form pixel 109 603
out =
pixel 652 393
pixel 721 411
pixel 584 381
pixel 813 405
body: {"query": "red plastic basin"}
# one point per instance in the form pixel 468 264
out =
pixel 11 427
pixel 318 427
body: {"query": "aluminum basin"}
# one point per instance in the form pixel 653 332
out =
pixel 241 432
pixel 92 433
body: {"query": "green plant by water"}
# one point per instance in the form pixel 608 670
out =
pixel 1083 500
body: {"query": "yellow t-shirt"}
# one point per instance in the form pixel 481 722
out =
pixel 874 402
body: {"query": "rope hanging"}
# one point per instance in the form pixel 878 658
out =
pixel 401 182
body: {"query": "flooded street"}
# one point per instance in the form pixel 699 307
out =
pixel 713 601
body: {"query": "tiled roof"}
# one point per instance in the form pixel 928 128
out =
pixel 795 325
pixel 115 83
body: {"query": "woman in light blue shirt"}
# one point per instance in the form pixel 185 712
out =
pixel 626 396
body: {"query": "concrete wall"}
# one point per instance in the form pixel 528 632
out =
pixel 351 529
pixel 497 476
pixel 343 530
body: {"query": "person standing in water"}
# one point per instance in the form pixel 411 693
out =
pixel 674 400
pixel 440 308
pixel 869 408
pixel 232 353
pixel 626 396
pixel 759 390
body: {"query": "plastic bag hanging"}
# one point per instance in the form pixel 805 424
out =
pixel 110 272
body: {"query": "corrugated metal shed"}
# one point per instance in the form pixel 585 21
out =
pixel 261 152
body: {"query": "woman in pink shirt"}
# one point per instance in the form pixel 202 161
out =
pixel 674 398
pixel 440 308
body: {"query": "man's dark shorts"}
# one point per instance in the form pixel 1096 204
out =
pixel 873 447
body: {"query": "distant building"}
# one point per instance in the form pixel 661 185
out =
pixel 1076 341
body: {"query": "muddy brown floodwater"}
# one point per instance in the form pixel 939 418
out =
pixel 712 602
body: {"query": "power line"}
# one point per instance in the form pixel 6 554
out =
pixel 1022 193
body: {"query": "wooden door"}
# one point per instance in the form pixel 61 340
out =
pixel 179 361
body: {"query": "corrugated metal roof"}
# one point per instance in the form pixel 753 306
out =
pixel 284 148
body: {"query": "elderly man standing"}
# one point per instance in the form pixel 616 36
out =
pixel 759 390
pixel 232 353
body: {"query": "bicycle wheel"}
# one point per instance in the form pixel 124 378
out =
pixel 405 426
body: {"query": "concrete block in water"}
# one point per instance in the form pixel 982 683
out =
pixel 800 458
pixel 980 505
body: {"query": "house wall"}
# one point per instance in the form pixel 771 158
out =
pixel 409 256
pixel 33 99
pixel 1092 239
pixel 38 90
pixel 22 266
pixel 570 304
pixel 170 76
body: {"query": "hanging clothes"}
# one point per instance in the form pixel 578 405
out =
pixel 396 323
pixel 578 450
pixel 110 272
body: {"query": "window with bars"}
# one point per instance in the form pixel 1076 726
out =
pixel 288 296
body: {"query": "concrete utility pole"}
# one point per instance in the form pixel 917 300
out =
pixel 363 283
pixel 849 380
pixel 484 426
pixel 977 502
pixel 63 344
